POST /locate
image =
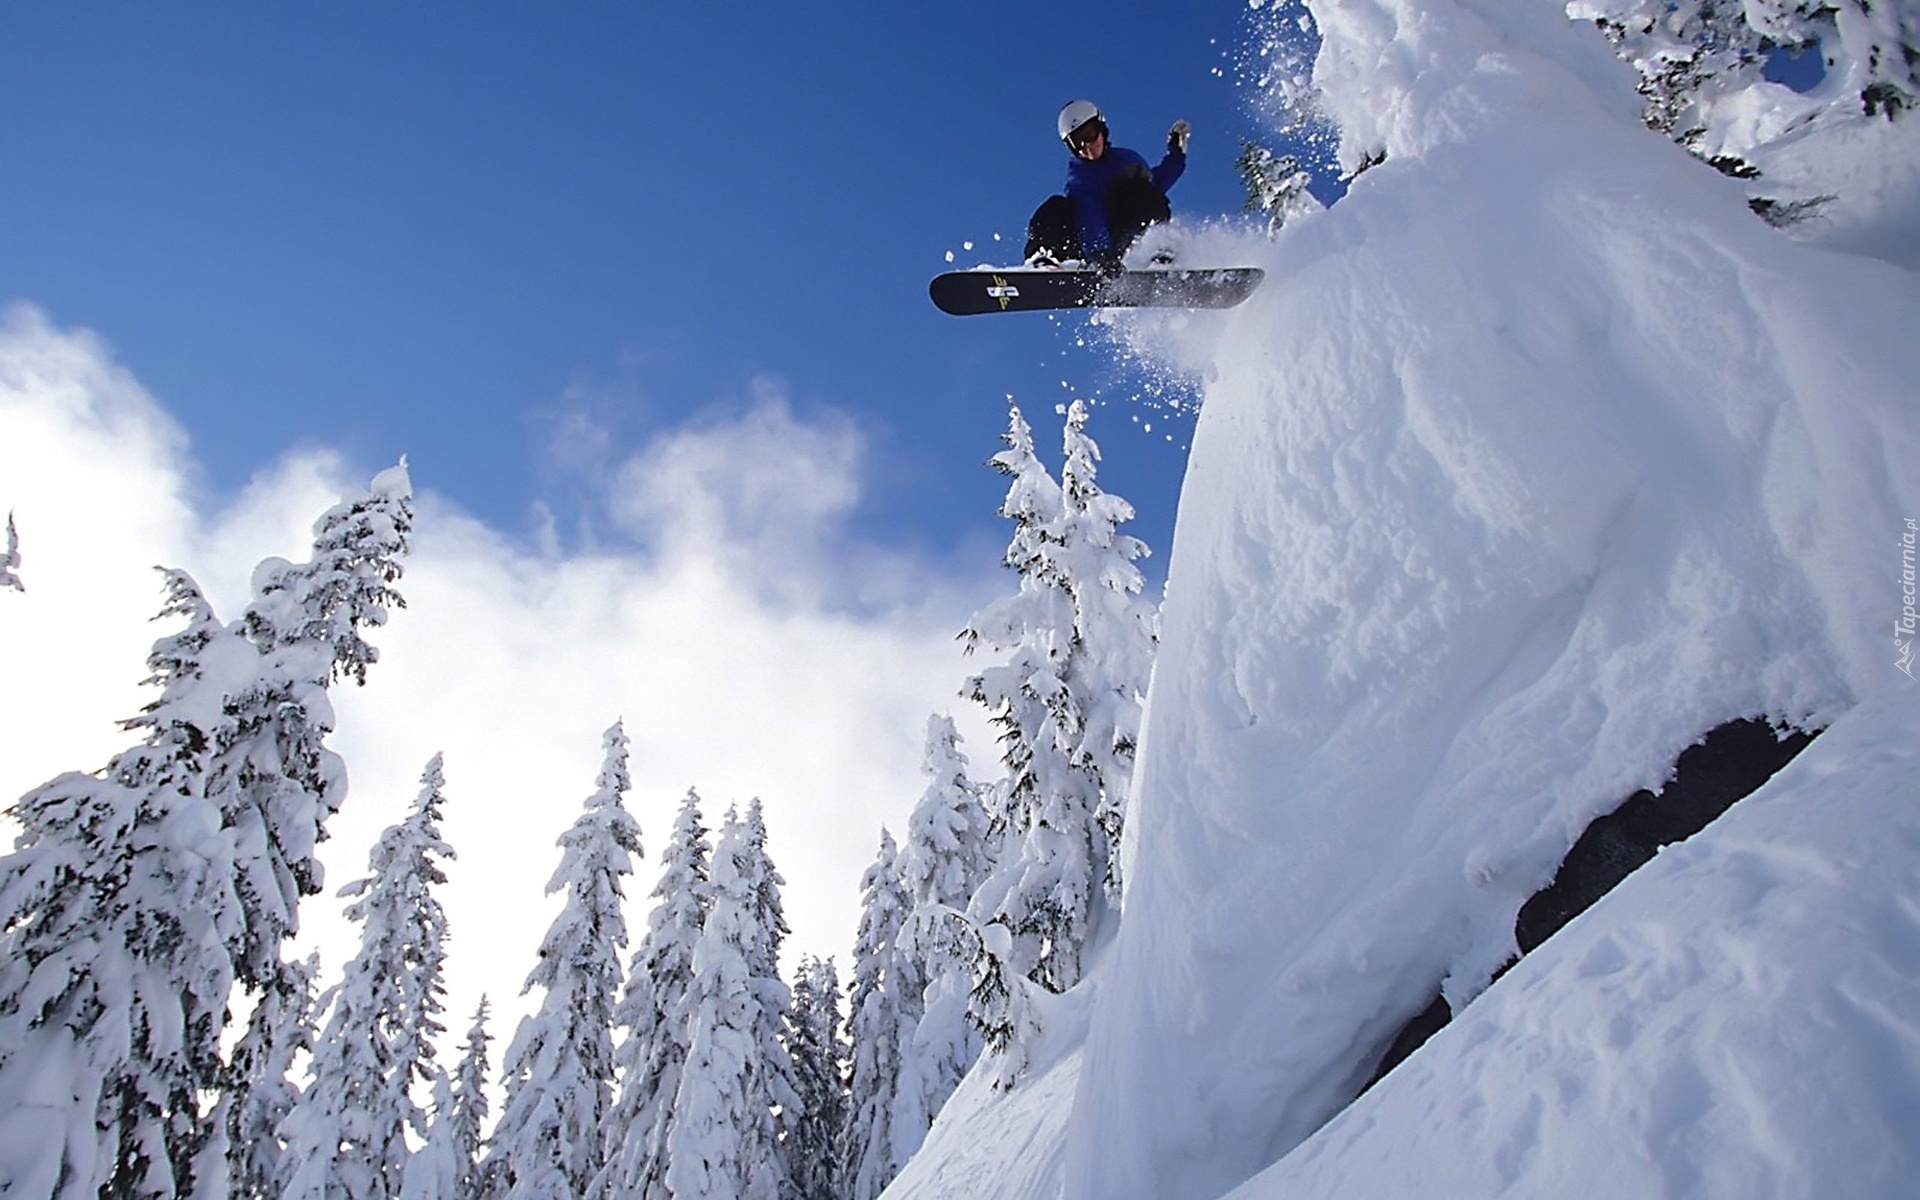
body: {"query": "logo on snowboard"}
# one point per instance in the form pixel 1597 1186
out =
pixel 1003 291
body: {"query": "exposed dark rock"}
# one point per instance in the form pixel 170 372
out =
pixel 1412 1036
pixel 1730 762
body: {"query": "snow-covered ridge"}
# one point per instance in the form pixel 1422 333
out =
pixel 1537 457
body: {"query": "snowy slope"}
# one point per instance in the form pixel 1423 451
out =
pixel 990 1143
pixel 1537 457
pixel 1740 1018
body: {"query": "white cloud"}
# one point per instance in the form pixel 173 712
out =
pixel 92 470
pixel 764 484
pixel 721 647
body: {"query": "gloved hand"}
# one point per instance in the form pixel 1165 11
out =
pixel 1177 136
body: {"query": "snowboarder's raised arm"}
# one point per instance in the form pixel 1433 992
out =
pixel 1174 164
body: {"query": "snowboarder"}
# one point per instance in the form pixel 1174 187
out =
pixel 1112 195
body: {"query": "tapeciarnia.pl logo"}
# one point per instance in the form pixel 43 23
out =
pixel 1903 628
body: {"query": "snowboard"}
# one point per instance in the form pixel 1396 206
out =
pixel 1038 289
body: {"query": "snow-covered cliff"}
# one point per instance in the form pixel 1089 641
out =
pixel 1537 457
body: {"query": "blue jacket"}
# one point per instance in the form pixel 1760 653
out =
pixel 1087 184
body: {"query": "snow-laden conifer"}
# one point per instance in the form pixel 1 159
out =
pixel 10 560
pixel 114 975
pixel 1000 1003
pixel 432 1172
pixel 1115 632
pixel 271 776
pixel 1276 185
pixel 1079 647
pixel 467 1121
pixel 724 1138
pixel 769 926
pixel 140 895
pixel 1028 698
pixel 347 1134
pixel 1016 692
pixel 768 930
pixel 814 1136
pixel 654 1016
pixel 943 863
pixel 877 1016
pixel 445 1167
pixel 946 854
pixel 260 1090
pixel 1702 61
pixel 559 1069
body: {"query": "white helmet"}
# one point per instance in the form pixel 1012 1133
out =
pixel 1076 114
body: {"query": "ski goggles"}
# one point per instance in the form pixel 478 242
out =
pixel 1083 136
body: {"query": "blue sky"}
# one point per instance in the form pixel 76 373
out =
pixel 558 256
pixel 455 231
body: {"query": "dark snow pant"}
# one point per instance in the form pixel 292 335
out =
pixel 1132 205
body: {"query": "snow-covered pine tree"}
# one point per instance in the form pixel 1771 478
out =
pixel 1079 643
pixel 271 775
pixel 559 1072
pixel 947 855
pixel 347 1134
pixel 1000 1003
pixel 10 560
pixel 445 1165
pixel 769 913
pixel 769 930
pixel 942 865
pixel 113 977
pixel 878 1017
pixel 813 1137
pixel 1686 53
pixel 1115 636
pixel 432 1172
pixel 467 1120
pixel 150 888
pixel 1696 56
pixel 1034 628
pixel 1276 185
pixel 654 1014
pixel 724 1140
pixel 260 1090
pixel 1014 692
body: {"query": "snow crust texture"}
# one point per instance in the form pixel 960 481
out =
pixel 1536 457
